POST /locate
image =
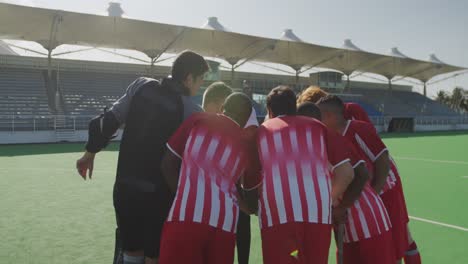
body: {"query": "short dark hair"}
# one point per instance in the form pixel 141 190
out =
pixel 332 103
pixel 309 109
pixel 188 62
pixel 238 106
pixel 216 92
pixel 282 101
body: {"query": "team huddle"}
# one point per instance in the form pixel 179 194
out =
pixel 187 177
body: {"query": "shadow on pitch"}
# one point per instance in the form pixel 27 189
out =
pixel 38 149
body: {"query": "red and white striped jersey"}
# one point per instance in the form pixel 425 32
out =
pixel 354 111
pixel 367 217
pixel 297 155
pixel 369 145
pixel 214 156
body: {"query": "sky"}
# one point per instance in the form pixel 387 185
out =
pixel 417 27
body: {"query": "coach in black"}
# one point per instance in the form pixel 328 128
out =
pixel 150 112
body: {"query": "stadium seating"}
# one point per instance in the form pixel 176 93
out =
pixel 22 92
pixel 396 104
pixel 88 93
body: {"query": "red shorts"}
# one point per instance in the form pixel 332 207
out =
pixel 195 243
pixel 394 202
pixel 310 241
pixel 373 250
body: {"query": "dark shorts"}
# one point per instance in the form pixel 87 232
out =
pixel 140 218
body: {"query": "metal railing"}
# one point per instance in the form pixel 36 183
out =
pixel 424 120
pixel 15 123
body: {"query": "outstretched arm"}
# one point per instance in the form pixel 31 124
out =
pixel 101 130
pixel 103 127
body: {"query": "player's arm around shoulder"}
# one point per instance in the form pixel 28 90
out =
pixel 103 127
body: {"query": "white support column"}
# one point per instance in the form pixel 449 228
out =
pixel 425 89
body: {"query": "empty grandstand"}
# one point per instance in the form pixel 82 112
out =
pixel 57 97
pixel 83 89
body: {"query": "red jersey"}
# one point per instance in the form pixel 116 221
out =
pixel 297 155
pixel 369 145
pixel 354 111
pixel 214 155
pixel 367 217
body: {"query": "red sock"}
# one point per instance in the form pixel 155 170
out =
pixel 412 255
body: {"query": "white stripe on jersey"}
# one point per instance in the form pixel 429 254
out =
pixel 185 195
pixel 279 197
pixel 234 169
pixel 310 144
pixel 200 197
pixel 364 147
pixel 324 194
pixel 363 221
pixel 267 206
pixel 278 142
pixel 264 148
pixel 330 215
pixel 322 147
pixel 215 204
pixel 225 157
pixel 383 213
pixel 309 188
pixel 293 139
pixel 392 176
pixel 197 144
pixel 212 149
pixel 227 226
pixel 364 195
pixel 294 191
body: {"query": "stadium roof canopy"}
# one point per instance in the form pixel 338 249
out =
pixel 52 28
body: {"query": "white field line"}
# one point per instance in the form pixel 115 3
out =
pixel 438 223
pixel 432 160
pixel 52 169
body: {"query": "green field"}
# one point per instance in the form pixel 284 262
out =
pixel 50 215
